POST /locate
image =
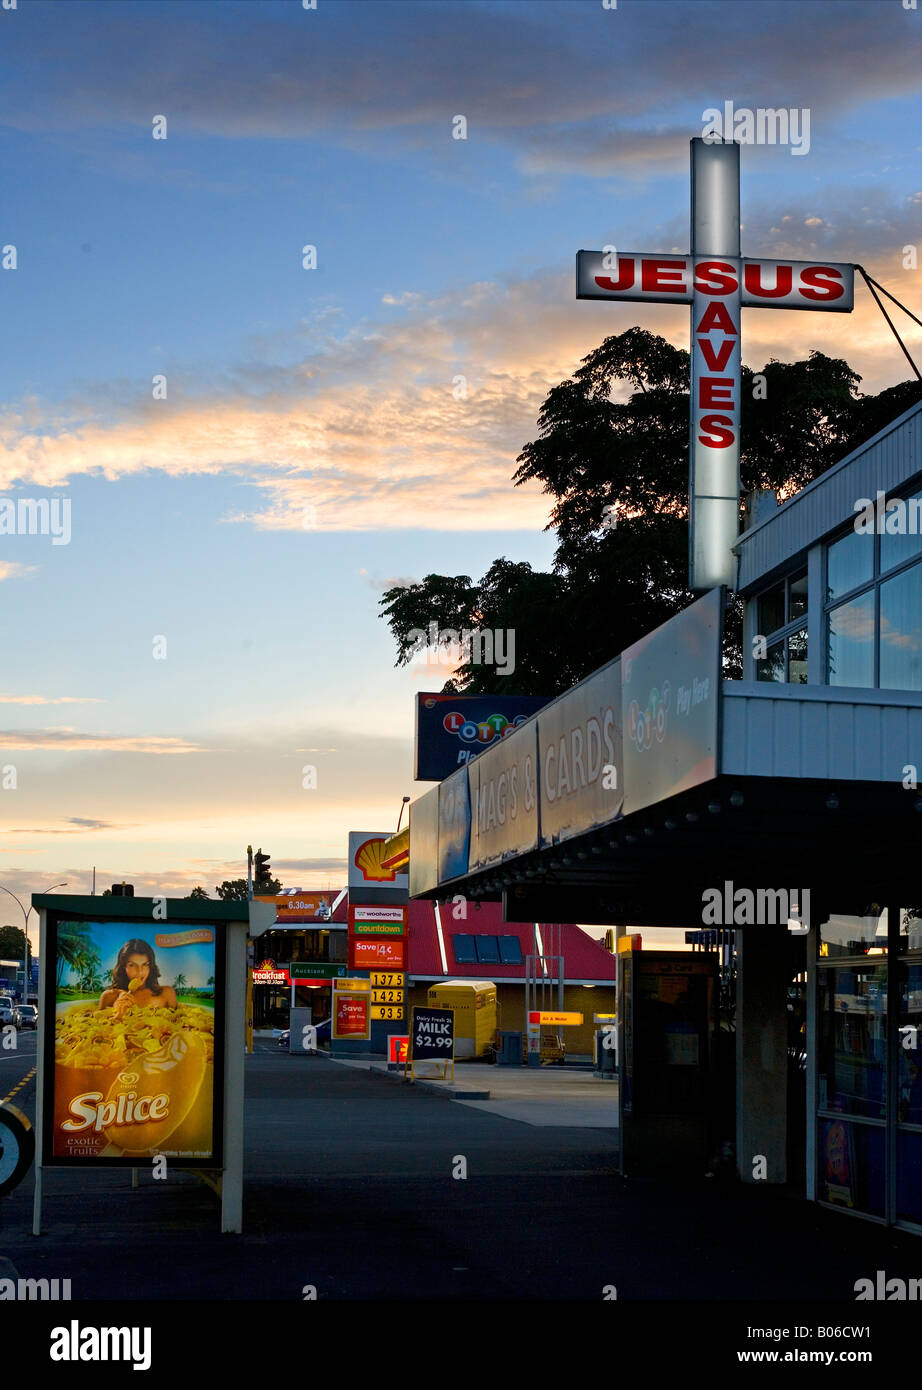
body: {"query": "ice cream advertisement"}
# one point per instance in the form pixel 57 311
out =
pixel 134 1041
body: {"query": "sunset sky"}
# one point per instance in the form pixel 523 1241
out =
pixel 311 451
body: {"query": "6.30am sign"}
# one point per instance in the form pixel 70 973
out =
pixel 131 1021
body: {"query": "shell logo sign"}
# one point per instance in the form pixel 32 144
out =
pixel 368 859
pixel 367 868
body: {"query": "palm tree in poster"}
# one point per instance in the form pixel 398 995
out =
pixel 75 948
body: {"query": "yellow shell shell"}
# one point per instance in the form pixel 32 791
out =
pixel 368 858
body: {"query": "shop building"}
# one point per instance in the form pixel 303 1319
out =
pixel 570 969
pixel 308 942
pixel 784 805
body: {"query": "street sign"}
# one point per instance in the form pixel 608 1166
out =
pixel 717 282
pixel 324 972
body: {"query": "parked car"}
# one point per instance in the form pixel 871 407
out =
pixel 9 1014
pixel 29 1015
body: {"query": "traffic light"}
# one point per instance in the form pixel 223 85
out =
pixel 263 875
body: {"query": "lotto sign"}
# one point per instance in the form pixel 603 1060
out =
pixel 371 955
pixel 432 1035
pixel 717 282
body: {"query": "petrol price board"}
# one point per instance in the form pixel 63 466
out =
pixel 388 979
pixel 393 1013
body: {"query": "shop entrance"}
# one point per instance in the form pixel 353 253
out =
pixel 867 1018
pixel 667 1026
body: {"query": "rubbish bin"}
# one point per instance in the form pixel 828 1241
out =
pixel 510 1049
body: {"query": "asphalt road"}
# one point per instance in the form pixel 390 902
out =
pixel 350 1191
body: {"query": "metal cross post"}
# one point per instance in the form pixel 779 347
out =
pixel 716 282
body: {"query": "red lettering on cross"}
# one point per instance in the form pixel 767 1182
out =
pixel 719 277
pixel 716 315
pixel 715 390
pixel 716 361
pixel 721 431
pixel 625 278
pixel 657 273
pixel 823 279
pixel 784 279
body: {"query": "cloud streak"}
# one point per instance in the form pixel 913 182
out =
pixel 50 700
pixel 69 740
pixel 415 421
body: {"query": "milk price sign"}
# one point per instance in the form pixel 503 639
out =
pixel 716 282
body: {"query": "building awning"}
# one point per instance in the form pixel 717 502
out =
pixel 786 788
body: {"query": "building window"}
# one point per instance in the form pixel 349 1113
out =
pixel 781 617
pixel 873 608
pixel 487 950
pixel 510 950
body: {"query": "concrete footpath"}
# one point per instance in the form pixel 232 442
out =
pixel 574 1098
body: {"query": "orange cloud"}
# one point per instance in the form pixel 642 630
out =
pixel 414 422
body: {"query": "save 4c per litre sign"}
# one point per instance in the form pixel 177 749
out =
pixel 432 1035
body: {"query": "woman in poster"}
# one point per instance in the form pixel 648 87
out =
pixel 136 980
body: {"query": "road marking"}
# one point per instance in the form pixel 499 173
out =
pixel 19 1085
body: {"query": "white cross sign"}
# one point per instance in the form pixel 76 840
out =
pixel 717 282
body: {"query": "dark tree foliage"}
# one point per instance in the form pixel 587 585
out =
pixel 233 890
pixel 612 453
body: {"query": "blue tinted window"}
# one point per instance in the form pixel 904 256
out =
pixel 487 949
pixel 463 947
pixel 901 536
pixel 510 950
pixel 901 631
pixel 851 643
pixel 849 562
